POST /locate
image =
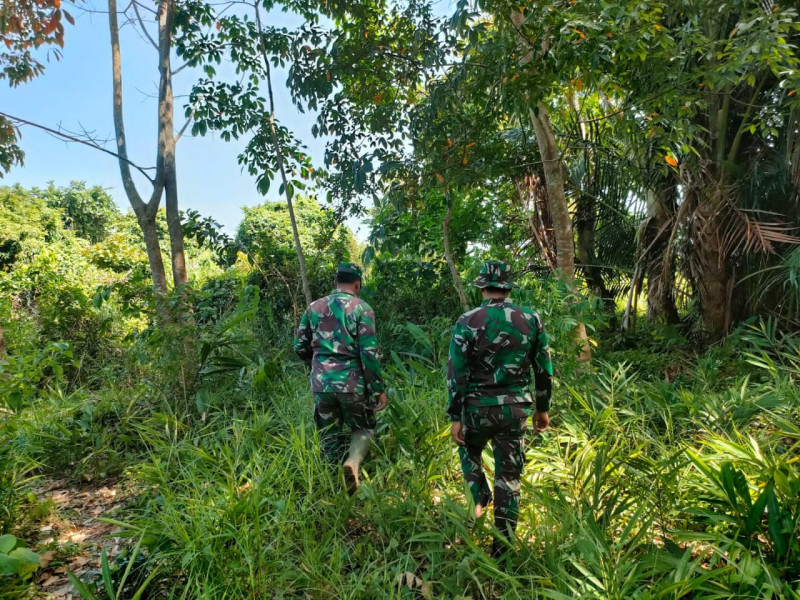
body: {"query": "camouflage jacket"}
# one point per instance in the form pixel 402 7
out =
pixel 337 336
pixel 492 352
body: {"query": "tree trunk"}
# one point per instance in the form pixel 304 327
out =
pixel 147 223
pixel 533 198
pixel 448 255
pixel 559 210
pixel 585 225
pixel 145 212
pixel 661 206
pixel 166 112
pixel 178 254
pixel 279 159
pixel 556 197
pixel 710 269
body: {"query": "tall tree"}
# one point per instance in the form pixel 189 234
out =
pixel 237 110
pixel 164 182
pixel 717 89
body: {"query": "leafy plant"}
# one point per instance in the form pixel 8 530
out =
pixel 123 579
pixel 24 377
pixel 16 559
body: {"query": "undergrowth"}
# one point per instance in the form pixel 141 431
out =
pixel 648 485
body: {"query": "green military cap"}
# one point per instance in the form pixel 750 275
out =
pixel 495 273
pixel 349 269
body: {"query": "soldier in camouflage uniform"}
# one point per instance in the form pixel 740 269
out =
pixel 337 337
pixel 492 353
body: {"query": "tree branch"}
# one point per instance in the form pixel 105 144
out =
pixel 119 122
pixel 183 129
pixel 70 138
pixel 135 5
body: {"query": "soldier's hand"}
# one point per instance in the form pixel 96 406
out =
pixel 457 433
pixel 541 421
pixel 383 400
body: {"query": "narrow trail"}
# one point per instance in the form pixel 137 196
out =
pixel 71 537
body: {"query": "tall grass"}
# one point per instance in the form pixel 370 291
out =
pixel 643 488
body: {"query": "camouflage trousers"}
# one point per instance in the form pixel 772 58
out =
pixel 332 411
pixel 505 427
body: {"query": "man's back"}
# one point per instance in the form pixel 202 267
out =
pixel 493 349
pixel 337 335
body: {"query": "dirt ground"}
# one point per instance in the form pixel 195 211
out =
pixel 72 535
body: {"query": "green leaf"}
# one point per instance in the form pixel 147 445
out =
pixel 84 591
pixel 25 556
pixel 7 543
pixel 757 511
pixel 8 565
pixel 774 522
pixel 106 571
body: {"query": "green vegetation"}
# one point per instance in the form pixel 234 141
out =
pixel 668 473
pixel 636 162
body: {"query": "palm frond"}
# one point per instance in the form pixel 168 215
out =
pixel 744 230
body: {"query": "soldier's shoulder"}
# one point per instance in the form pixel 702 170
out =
pixel 356 303
pixel 363 304
pixel 529 313
pixel 320 304
pixel 472 315
pixel 353 305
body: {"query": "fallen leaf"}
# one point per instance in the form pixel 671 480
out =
pixel 45 558
pixel 78 561
pixel 412 582
pixel 63 591
pixel 52 580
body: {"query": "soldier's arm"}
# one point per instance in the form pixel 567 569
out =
pixel 542 367
pixel 368 351
pixel 303 338
pixel 458 370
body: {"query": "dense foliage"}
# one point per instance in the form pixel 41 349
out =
pixel 668 473
pixel 637 163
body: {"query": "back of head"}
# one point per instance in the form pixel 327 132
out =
pixel 348 277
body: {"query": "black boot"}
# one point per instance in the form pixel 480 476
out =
pixel 499 550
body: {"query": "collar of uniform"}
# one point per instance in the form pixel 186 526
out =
pixel 489 301
pixel 338 291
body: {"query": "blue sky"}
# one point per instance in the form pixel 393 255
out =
pixel 75 94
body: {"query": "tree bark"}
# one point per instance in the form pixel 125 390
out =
pixel 661 206
pixel 559 210
pixel 279 159
pixel 710 269
pixel 147 223
pixel 534 204
pixel 448 256
pixel 585 225
pixel 165 161
pixel 556 197
pixel 166 112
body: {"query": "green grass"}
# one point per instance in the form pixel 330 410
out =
pixel 642 488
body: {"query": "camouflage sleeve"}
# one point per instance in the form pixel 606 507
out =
pixel 542 368
pixel 302 341
pixel 368 350
pixel 458 369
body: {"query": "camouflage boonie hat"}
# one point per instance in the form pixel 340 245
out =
pixel 495 273
pixel 349 269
